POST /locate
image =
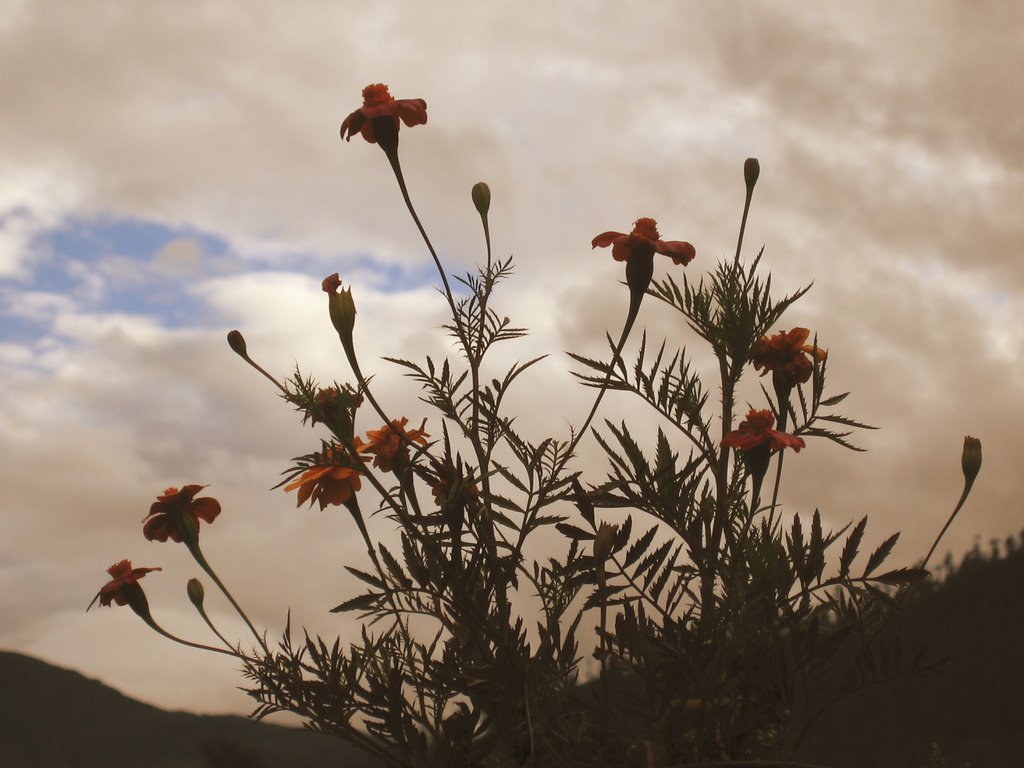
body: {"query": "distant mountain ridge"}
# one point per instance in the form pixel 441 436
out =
pixel 57 718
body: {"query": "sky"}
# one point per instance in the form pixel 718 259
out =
pixel 169 172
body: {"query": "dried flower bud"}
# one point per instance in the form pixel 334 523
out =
pixel 603 542
pixel 751 171
pixel 237 343
pixel 971 460
pixel 196 593
pixel 482 198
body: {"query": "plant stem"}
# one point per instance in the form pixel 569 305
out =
pixel 160 630
pixel 197 554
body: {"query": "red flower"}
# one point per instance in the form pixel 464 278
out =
pixel 326 483
pixel 387 443
pixel 175 515
pixel 786 355
pixel 644 240
pixel 123 587
pixel 378 103
pixel 757 430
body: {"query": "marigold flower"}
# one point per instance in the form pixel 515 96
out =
pixel 644 241
pixel 757 430
pixel 786 355
pixel 378 103
pixel 389 443
pixel 123 588
pixel 326 483
pixel 176 514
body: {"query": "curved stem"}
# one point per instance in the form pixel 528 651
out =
pixel 160 630
pixel 635 297
pixel 201 559
pixel 949 522
pixel 202 612
pixel 396 166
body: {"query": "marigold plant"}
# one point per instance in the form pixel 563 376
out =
pixel 723 625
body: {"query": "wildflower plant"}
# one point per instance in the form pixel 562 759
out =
pixel 721 623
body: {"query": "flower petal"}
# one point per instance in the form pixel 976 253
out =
pixel 606 238
pixel 412 111
pixel 679 251
pixel 206 509
pixel 352 124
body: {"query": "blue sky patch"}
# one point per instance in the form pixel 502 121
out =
pixel 137 266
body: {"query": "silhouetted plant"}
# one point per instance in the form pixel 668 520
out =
pixel 718 616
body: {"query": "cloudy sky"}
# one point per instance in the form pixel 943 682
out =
pixel 171 171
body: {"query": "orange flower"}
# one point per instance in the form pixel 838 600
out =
pixel 786 355
pixel 326 483
pixel 123 588
pixel 379 105
pixel 644 241
pixel 756 430
pixel 176 515
pixel 389 443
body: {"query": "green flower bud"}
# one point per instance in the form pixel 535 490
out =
pixel 481 198
pixel 751 170
pixel 196 593
pixel 971 459
pixel 237 343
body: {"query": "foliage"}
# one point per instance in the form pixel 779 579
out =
pixel 718 617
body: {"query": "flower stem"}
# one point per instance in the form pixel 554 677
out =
pixel 197 554
pixel 963 497
pixel 396 166
pixel 635 298
pixel 202 612
pixel 160 630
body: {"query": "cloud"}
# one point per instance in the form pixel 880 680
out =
pixel 170 174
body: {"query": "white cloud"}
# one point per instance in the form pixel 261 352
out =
pixel 889 178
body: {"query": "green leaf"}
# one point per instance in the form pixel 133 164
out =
pixel 361 603
pixel 394 568
pixel 369 578
pixel 879 555
pixel 902 576
pixel 574 532
pixel 639 547
pixel 850 548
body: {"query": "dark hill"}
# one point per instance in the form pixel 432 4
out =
pixel 970 713
pixel 55 718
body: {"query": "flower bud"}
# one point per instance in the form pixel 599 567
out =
pixel 603 542
pixel 196 593
pixel 481 198
pixel 342 307
pixel 237 343
pixel 751 171
pixel 971 460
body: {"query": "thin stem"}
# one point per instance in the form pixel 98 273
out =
pixel 634 309
pixel 160 630
pixel 202 612
pixel 959 505
pixel 201 559
pixel 743 221
pixel 396 166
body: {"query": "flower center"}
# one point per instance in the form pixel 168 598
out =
pixel 760 421
pixel 120 570
pixel 376 94
pixel 646 228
